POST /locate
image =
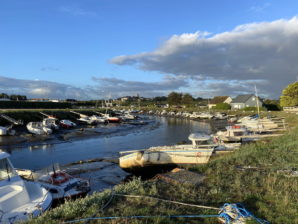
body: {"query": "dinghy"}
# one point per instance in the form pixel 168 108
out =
pixel 38 128
pixel 19 199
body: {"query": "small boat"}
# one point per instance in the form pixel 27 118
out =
pixel 110 118
pixel 199 152
pixel 50 122
pixel 19 199
pixel 7 131
pixel 98 119
pixel 67 124
pixel 59 183
pixel 38 128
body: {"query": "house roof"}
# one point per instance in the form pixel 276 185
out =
pixel 218 99
pixel 242 98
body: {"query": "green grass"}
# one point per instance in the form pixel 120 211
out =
pixel 267 191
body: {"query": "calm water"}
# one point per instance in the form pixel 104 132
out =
pixel 160 131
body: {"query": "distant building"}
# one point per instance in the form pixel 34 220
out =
pixel 219 99
pixel 242 101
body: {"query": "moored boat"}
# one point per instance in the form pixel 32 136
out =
pixel 19 199
pixel 199 152
pixel 38 128
pixel 59 183
pixel 67 124
pixel 7 131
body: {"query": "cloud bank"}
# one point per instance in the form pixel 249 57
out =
pixel 102 88
pixel 41 89
pixel 265 53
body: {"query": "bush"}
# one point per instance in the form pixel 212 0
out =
pixel 222 106
pixel 254 109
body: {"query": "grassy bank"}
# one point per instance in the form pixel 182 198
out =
pixel 259 175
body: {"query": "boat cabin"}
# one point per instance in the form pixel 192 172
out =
pixel 200 139
pixel 7 171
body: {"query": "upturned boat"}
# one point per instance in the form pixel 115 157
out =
pixel 19 199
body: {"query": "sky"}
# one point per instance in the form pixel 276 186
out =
pixel 91 49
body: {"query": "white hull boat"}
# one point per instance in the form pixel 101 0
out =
pixel 38 128
pixel 6 131
pixel 19 199
pixel 50 123
pixel 199 152
pixel 60 184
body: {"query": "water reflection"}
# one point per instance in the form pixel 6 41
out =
pixel 40 146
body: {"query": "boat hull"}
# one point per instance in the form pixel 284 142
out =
pixel 165 158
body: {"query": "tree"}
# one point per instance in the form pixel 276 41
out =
pixel 4 95
pixel 289 97
pixel 174 98
pixel 187 99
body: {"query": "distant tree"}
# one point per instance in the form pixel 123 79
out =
pixel 4 95
pixel 187 99
pixel 160 99
pixel 289 95
pixel 174 98
pixel 222 106
pixel 273 105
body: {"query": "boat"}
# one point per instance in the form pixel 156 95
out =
pixel 7 131
pixel 98 120
pixel 38 128
pixel 111 119
pixel 61 184
pixel 240 133
pixel 19 199
pixel 67 124
pixel 199 152
pixel 50 122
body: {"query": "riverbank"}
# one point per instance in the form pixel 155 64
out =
pixel 262 176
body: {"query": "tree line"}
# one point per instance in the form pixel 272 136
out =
pixel 13 97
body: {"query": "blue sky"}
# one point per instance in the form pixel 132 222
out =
pixel 76 44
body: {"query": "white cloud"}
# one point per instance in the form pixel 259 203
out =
pixel 257 51
pixel 42 89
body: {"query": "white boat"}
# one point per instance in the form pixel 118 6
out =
pixel 67 124
pixel 199 152
pixel 98 120
pixel 59 183
pixel 86 120
pixel 7 131
pixel 205 115
pixel 50 122
pixel 19 199
pixel 38 128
